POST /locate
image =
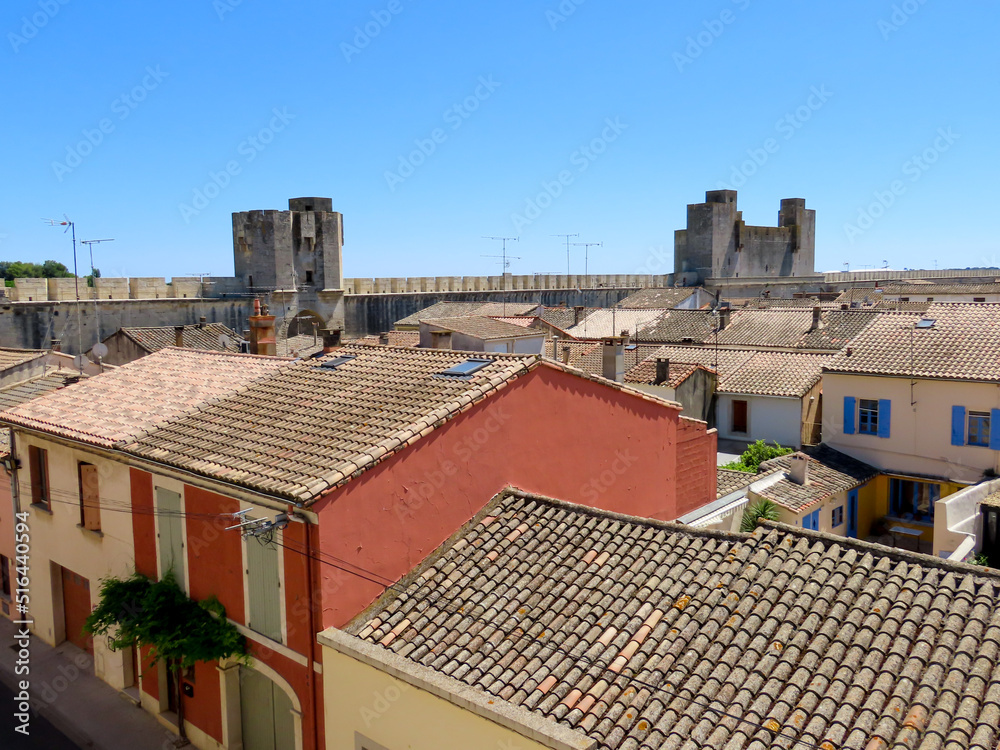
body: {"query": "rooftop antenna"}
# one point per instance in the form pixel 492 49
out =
pixel 100 350
pixel 70 225
pixel 586 256
pixel 847 265
pixel 567 236
pixel 505 260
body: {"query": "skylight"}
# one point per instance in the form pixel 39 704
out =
pixel 926 323
pixel 333 364
pixel 468 367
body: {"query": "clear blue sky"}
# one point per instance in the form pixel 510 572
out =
pixel 507 98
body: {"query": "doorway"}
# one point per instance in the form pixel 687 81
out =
pixel 266 713
pixel 740 417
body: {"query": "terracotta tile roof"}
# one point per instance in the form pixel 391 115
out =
pixel 728 360
pixel 963 344
pixel 481 327
pixel 524 322
pixel 645 372
pixel 763 303
pixel 153 339
pixel 728 480
pixel 309 428
pixel 396 338
pixel 774 374
pixel 830 472
pixel 15 357
pixel 588 356
pixel 563 317
pixel 460 309
pixel 302 345
pixel 645 635
pixel 903 306
pixel 929 290
pixel 132 399
pixel 678 326
pixel 658 299
pixel 865 295
pixel 612 322
pixel 26 390
pixel 791 328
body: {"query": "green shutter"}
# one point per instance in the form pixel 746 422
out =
pixel 171 533
pixel 257 709
pixel 264 588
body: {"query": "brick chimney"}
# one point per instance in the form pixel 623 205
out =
pixel 817 311
pixel 383 338
pixel 331 339
pixel 263 338
pixel 662 371
pixel 724 315
pixel 614 358
pixel 798 468
pixel 578 314
pixel 178 335
pixel 202 321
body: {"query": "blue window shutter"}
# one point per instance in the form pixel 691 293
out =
pixel 995 429
pixel 958 425
pixel 849 415
pixel 884 417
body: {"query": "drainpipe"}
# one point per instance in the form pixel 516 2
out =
pixel 15 486
pixel 313 701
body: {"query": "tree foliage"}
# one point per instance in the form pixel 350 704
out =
pixel 50 269
pixel 759 510
pixel 159 615
pixel 756 454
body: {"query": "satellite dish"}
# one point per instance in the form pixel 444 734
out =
pixel 100 350
pixel 224 341
pixel 78 361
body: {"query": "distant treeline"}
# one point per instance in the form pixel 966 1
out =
pixel 17 269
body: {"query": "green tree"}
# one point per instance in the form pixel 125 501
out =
pixel 759 510
pixel 17 269
pixel 756 454
pixel 52 269
pixel 157 614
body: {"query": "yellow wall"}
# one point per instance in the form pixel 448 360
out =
pixel 396 715
pixel 58 540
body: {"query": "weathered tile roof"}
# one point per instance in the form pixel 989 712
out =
pixel 15 357
pixel 678 326
pixel 903 306
pixel 459 309
pixel 774 374
pixel 563 317
pixel 154 338
pixel 763 303
pixel 865 295
pixel 611 322
pixel 830 472
pixel 26 390
pixel 524 322
pixel 929 290
pixel 722 360
pixel 482 327
pixel 963 344
pixel 589 355
pixel 645 372
pixel 992 500
pixel 309 428
pixel 302 345
pixel 658 299
pixel 791 328
pixel 643 635
pixel 132 399
pixel 728 480
pixel 396 338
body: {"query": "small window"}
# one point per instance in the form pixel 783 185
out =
pixel 868 416
pixel 38 462
pixel 5 589
pixel 904 299
pixel 930 299
pixel 90 497
pixel 913 501
pixel 838 517
pixel 309 277
pixel 979 428
pixel 333 364
pixel 979 299
pixel 926 323
pixel 468 367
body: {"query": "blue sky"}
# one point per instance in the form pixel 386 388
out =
pixel 433 124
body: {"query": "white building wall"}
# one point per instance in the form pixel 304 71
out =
pixel 920 434
pixel 768 418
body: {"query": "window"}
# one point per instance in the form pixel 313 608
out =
pixel 468 367
pixel 5 589
pixel 913 501
pixel 90 497
pixel 838 516
pixel 979 299
pixel 309 277
pixel 38 462
pixel 263 587
pixel 740 417
pixel 979 428
pixel 811 521
pixel 170 533
pixel 868 416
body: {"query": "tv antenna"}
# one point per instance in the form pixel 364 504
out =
pixel 505 258
pixel 567 236
pixel 99 349
pixel 586 256
pixel 70 225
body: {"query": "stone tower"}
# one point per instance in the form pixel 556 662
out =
pixel 298 249
pixel 717 244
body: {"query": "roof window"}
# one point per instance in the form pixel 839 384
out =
pixel 925 323
pixel 333 364
pixel 468 367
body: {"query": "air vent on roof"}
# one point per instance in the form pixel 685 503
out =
pixel 468 367
pixel 926 323
pixel 336 362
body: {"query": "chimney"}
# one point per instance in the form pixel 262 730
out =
pixel 331 339
pixel 383 338
pixel 178 335
pixel 578 314
pixel 815 321
pixel 724 315
pixel 614 359
pixel 626 337
pixel 565 353
pixel 263 338
pixel 56 345
pixel 662 371
pixel 844 306
pixel 202 321
pixel 798 468
pixel 849 351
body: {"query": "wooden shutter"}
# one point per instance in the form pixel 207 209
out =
pixel 90 498
pixel 39 476
pixel 849 403
pixel 264 587
pixel 170 537
pixel 884 418
pixel 958 425
pixel 995 429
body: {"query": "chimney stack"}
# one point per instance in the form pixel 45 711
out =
pixel 331 339
pixel 614 359
pixel 56 345
pixel 798 469
pixel 578 314
pixel 566 350
pixel 815 321
pixel 662 371
pixel 179 336
pixel 626 337
pixel 724 316
pixel 202 321
pixel 383 338
pixel 263 337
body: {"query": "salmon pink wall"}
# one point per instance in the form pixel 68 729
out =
pixel 549 432
pixel 214 555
